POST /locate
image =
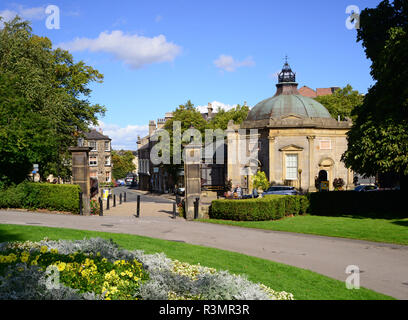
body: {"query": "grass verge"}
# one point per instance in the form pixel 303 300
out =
pixel 304 284
pixel 371 229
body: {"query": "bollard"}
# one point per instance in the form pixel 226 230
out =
pixel 107 202
pixel 124 196
pixel 120 198
pixel 178 199
pixel 100 207
pixel 174 210
pixel 81 211
pixel 138 207
pixel 114 200
pixel 196 208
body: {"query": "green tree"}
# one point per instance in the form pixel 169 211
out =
pixel 260 181
pixel 342 102
pixel 188 117
pixel 378 140
pixel 122 163
pixel 50 102
pixel 222 117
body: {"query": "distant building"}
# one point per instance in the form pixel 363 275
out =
pixel 100 157
pixel 310 93
pixel 299 143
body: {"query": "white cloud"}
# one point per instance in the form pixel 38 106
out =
pixel 134 50
pixel 35 13
pixel 123 137
pixel 229 64
pixel 216 105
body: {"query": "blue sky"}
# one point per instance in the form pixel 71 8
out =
pixel 156 55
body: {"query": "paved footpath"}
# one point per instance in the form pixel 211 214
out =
pixel 383 267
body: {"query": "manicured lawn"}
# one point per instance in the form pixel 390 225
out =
pixel 304 284
pixel 379 230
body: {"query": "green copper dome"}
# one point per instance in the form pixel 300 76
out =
pixel 284 105
pixel 287 101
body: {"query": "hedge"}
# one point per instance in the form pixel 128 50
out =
pixel 267 208
pixel 30 195
pixel 374 203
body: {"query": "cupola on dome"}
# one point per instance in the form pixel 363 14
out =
pixel 287 101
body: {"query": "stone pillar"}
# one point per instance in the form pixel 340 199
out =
pixel 80 174
pixel 272 141
pixel 312 187
pixel 350 180
pixel 192 178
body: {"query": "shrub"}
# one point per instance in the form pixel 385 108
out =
pixel 271 207
pixel 260 181
pixel 30 195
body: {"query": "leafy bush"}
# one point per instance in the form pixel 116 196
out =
pixel 376 203
pixel 272 207
pixel 29 195
pixel 260 181
pixel 99 269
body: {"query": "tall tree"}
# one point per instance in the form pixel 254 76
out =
pixel 122 163
pixel 342 102
pixel 52 93
pixel 378 140
pixel 222 117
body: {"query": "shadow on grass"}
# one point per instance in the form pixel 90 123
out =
pixel 6 236
pixel 403 223
pixel 385 216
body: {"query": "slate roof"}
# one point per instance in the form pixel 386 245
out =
pixel 95 135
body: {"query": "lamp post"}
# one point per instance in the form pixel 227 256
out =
pixel 300 179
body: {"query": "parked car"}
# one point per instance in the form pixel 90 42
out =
pixel 281 190
pixel 129 180
pixel 366 188
pixel 181 191
pixel 120 182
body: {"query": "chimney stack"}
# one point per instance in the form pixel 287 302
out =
pixel 210 110
pixel 152 127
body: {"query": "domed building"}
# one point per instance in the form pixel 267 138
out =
pixel 297 141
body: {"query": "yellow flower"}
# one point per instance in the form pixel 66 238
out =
pixel 34 263
pixel 43 249
pixel 62 266
pixel 24 259
pixel 55 251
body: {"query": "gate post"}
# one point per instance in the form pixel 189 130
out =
pixel 192 178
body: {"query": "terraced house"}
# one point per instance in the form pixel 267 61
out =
pixel 100 157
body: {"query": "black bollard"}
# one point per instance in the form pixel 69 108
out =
pixel 81 212
pixel 100 207
pixel 107 202
pixel 120 198
pixel 196 208
pixel 174 210
pixel 114 200
pixel 124 196
pixel 138 207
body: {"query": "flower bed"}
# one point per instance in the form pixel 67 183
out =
pixel 99 269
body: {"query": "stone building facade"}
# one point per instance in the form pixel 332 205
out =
pixel 100 157
pixel 298 142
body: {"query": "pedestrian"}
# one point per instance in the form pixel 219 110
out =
pixel 238 191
